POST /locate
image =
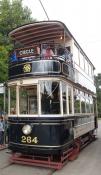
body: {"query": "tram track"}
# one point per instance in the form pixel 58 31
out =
pixel 8 168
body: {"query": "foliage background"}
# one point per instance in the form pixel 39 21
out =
pixel 12 14
pixel 98 90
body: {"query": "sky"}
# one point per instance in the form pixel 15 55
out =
pixel 82 18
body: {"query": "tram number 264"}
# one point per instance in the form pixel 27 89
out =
pixel 29 139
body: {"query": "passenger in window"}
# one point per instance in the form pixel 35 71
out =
pixel 13 56
pixel 38 50
pixel 13 111
pixel 1 131
pixel 56 103
pixel 68 55
pixel 61 52
pixel 65 53
pixel 47 52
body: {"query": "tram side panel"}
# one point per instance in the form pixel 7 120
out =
pixel 82 129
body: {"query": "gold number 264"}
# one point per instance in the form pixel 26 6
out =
pixel 29 139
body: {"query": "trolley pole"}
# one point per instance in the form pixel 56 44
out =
pixel 44 9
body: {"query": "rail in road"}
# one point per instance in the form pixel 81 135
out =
pixel 7 168
pixel 87 163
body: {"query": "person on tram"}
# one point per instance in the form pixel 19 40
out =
pixel 1 131
pixel 47 52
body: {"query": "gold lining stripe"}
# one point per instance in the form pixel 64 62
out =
pixel 37 123
pixel 42 146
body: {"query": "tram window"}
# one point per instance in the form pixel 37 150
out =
pixel 76 54
pixel 70 99
pixel 91 105
pixel 50 97
pixel 86 66
pixel 64 98
pixel 81 61
pixel 83 110
pixel 13 100
pixel 28 100
pixel 76 102
pixel 90 70
pixel 87 106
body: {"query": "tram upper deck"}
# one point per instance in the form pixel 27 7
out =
pixel 48 48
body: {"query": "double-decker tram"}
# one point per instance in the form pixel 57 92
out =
pixel 51 95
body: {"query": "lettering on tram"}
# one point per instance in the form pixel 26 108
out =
pixel 25 52
pixel 51 95
pixel 29 139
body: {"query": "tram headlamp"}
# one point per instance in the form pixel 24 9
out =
pixel 26 129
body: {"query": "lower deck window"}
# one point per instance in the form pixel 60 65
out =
pixel 13 100
pixel 50 97
pixel 28 100
pixel 45 97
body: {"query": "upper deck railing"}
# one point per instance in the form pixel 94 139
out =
pixel 35 61
pixel 41 51
pixel 43 59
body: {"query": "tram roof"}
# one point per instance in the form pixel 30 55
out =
pixel 42 31
pixel 39 31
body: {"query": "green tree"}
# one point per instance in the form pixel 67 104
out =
pixel 12 14
pixel 98 90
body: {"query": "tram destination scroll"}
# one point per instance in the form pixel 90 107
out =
pixel 27 52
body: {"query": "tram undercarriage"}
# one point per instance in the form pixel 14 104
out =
pixel 55 161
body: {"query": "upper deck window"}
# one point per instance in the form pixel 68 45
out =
pixel 76 54
pixel 86 66
pixel 82 61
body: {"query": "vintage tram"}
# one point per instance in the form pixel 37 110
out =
pixel 51 95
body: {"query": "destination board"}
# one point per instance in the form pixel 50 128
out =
pixel 27 51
